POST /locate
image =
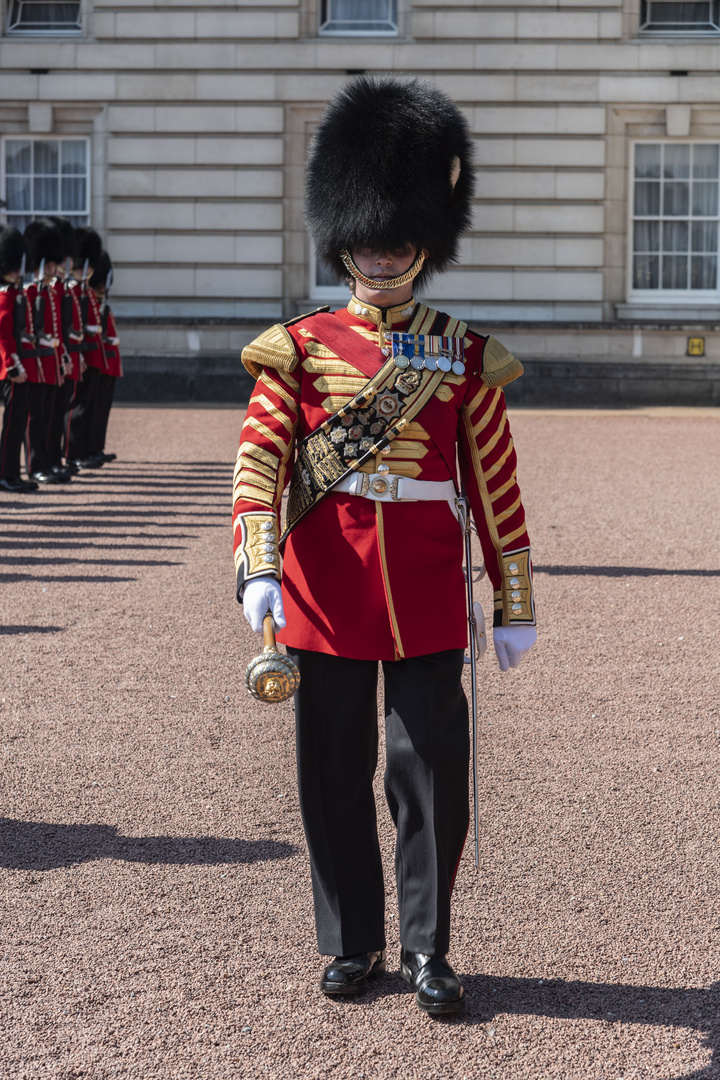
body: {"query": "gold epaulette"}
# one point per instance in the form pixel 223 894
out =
pixel 500 367
pixel 274 348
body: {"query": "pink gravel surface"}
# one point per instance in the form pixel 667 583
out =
pixel 156 905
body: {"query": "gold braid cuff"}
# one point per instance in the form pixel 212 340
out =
pixel 391 283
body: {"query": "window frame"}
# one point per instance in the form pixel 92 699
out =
pixel 392 31
pixel 328 294
pixel 667 297
pixel 6 216
pixel 25 31
pixel 646 28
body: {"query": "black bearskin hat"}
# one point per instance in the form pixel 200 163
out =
pixel 102 269
pixel 67 233
pixel 390 164
pixel 43 242
pixel 12 249
pixel 89 246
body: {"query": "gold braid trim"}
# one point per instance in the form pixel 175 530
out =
pixel 500 367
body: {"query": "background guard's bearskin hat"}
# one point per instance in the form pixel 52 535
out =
pixel 102 269
pixel 43 242
pixel 67 233
pixel 89 246
pixel 12 249
pixel 383 172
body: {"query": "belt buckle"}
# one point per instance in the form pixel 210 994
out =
pixel 365 485
pixel 379 485
pixel 394 490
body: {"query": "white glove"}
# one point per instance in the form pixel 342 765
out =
pixel 262 595
pixel 511 643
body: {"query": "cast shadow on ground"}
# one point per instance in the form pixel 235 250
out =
pixel 40 845
pixel 623 571
pixel 696 1009
pixel 10 630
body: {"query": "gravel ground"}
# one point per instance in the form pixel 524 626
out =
pixel 156 905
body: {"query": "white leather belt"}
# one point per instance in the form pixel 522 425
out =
pixel 384 487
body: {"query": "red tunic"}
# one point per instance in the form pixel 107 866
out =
pixel 75 335
pixel 9 346
pixel 49 370
pixel 384 580
pixel 95 357
pixel 111 345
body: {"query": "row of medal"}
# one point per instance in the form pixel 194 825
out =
pixel 429 352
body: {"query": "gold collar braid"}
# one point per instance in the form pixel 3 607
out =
pixel 382 317
pixel 391 283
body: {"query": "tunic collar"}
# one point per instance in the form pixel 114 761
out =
pixel 386 317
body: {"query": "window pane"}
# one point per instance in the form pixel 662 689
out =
pixel 705 236
pixel 17 156
pixel 17 193
pixel 675 272
pixel 45 194
pixel 675 236
pixel 677 162
pixel 45 157
pixel 647 160
pixel 647 236
pixel 73 194
pixel 74 155
pixel 356 16
pixel 679 16
pixel 42 15
pixel 646 272
pixel 705 199
pixel 647 198
pixel 703 272
pixel 676 199
pixel 705 162
pixel 20 221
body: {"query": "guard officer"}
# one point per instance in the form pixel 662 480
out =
pixel 378 414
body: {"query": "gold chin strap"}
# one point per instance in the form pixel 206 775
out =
pixel 391 283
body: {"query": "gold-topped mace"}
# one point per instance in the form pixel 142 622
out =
pixel 271 677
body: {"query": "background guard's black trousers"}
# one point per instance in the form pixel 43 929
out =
pixel 16 397
pixel 426 786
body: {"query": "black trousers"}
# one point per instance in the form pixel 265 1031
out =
pixel 16 397
pixel 43 398
pixel 104 394
pixel 78 415
pixel 426 787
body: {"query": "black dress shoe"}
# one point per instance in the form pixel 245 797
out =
pixel 42 477
pixel 16 486
pixel 438 988
pixel 72 468
pixel 63 475
pixel 95 461
pixel 108 457
pixel 349 975
pixel 29 485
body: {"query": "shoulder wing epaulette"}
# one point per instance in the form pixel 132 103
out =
pixel 500 367
pixel 274 348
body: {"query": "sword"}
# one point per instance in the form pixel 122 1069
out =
pixel 475 633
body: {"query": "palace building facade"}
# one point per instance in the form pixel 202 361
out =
pixel 179 130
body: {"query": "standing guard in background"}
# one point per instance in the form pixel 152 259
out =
pixel 15 371
pixel 371 409
pixel 45 252
pixel 100 283
pixel 79 420
pixel 72 337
